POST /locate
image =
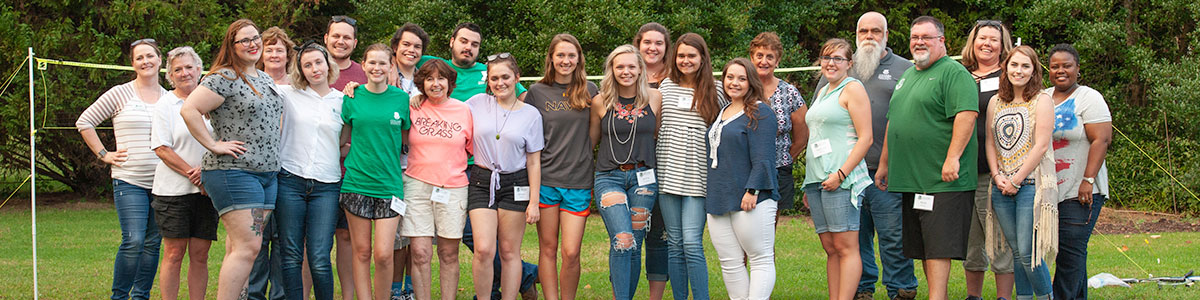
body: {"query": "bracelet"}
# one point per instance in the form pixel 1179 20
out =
pixel 842 174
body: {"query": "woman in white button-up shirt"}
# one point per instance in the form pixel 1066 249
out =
pixel 309 183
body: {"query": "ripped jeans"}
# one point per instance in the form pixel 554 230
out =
pixel 625 207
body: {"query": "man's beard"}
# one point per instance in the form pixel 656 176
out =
pixel 866 60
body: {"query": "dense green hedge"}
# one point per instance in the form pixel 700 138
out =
pixel 1140 54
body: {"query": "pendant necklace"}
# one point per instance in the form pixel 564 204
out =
pixel 510 107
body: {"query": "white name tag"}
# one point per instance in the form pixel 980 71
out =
pixel 521 193
pixel 990 84
pixel 646 177
pixel 399 206
pixel 820 148
pixel 685 103
pixel 923 202
pixel 440 195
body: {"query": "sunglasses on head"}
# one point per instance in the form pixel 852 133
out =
pixel 493 57
pixel 345 19
pixel 143 41
pixel 992 23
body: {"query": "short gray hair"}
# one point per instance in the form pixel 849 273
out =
pixel 184 51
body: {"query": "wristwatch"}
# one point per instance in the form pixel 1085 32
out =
pixel 101 154
pixel 752 192
pixel 1090 180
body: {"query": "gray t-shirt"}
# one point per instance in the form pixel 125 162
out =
pixel 248 117
pixel 567 158
pixel 879 89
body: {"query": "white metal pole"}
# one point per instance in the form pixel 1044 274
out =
pixel 33 176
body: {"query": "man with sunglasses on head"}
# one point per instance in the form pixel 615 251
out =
pixel 465 42
pixel 340 40
pixel 879 69
pixel 930 149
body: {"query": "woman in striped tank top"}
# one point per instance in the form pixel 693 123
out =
pixel 131 108
pixel 690 103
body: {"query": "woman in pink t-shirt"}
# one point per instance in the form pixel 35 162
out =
pixel 435 184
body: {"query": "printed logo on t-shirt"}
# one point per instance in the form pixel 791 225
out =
pixel 886 75
pixel 483 77
pixel 557 106
pixel 433 127
pixel 396 119
pixel 900 84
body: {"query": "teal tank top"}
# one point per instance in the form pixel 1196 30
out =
pixel 831 136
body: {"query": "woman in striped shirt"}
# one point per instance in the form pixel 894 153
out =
pixel 131 108
pixel 690 104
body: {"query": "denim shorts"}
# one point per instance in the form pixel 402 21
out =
pixel 832 210
pixel 573 201
pixel 239 189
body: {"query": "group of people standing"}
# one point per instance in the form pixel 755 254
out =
pixel 296 147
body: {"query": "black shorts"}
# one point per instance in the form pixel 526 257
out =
pixel 787 188
pixel 187 216
pixel 478 190
pixel 367 207
pixel 941 233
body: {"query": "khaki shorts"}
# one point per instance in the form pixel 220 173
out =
pixel 425 218
pixel 977 259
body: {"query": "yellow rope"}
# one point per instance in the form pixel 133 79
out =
pixel 1110 242
pixel 14 75
pixel 1135 145
pixel 14 192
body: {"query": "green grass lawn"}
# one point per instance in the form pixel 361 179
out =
pixel 77 246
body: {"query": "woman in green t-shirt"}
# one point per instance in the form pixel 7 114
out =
pixel 373 188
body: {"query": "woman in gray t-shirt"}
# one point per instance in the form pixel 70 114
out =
pixel 239 170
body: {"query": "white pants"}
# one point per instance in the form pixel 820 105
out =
pixel 751 233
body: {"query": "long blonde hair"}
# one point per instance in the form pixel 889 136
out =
pixel 609 85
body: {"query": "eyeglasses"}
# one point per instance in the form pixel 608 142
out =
pixel 926 39
pixel 344 19
pixel 143 41
pixel 246 42
pixel 835 59
pixel 494 57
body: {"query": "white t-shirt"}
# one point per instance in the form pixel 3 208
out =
pixel 169 131
pixel 312 125
pixel 1071 146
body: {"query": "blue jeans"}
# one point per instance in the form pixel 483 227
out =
pixel 137 258
pixel 880 214
pixel 307 212
pixel 626 215
pixel 684 218
pixel 266 267
pixel 1075 224
pixel 1015 215
pixel 656 247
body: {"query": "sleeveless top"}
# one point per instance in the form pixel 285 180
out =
pixel 1013 124
pixel 828 122
pixel 626 136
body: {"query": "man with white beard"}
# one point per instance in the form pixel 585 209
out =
pixel 879 69
pixel 930 151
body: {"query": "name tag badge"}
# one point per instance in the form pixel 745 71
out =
pixel 521 193
pixel 646 177
pixel 990 84
pixel 440 195
pixel 399 206
pixel 923 202
pixel 820 148
pixel 685 103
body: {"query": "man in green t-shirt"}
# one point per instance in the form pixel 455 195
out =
pixel 930 150
pixel 464 50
